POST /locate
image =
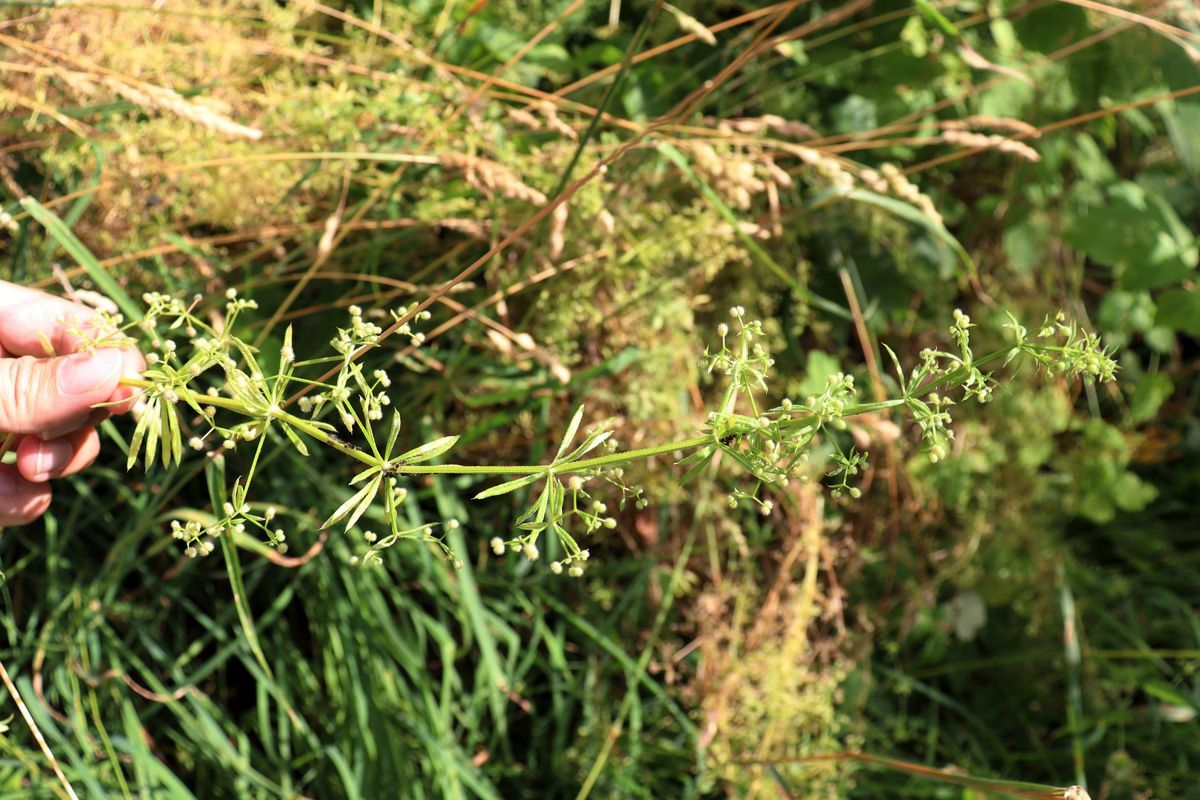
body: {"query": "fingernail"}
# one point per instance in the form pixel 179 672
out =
pixel 8 484
pixel 51 457
pixel 84 373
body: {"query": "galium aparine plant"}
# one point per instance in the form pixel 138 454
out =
pixel 206 387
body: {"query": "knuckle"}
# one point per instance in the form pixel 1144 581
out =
pixel 22 400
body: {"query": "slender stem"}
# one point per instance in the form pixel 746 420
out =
pixel 316 432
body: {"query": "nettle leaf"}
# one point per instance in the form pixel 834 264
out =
pixel 429 450
pixel 569 436
pixel 1179 309
pixel 510 486
pixel 1136 233
pixel 356 506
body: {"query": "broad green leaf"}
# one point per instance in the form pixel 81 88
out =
pixel 1180 309
pixel 428 450
pixel 510 486
pixel 1150 393
pixel 1138 235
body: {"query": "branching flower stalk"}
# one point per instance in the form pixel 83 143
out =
pixel 772 443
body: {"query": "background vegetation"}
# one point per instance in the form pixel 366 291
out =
pixel 1024 609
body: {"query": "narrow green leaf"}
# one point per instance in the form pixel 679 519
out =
pixel 569 436
pixel 698 455
pixel 510 486
pixel 428 450
pixel 393 434
pixel 930 12
pixel 899 369
pixel 135 444
pixel 351 504
pixel 705 458
pixel 153 431
pixel 295 439
pixel 368 496
pixel 174 436
pixel 911 214
pixel 58 230
pixel 362 476
pixel 591 443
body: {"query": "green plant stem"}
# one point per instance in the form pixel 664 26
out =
pixel 612 459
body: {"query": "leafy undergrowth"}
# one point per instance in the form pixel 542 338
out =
pixel 1020 608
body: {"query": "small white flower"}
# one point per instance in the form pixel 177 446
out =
pixel 497 545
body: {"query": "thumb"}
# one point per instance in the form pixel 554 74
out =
pixel 40 395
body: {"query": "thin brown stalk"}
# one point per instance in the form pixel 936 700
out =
pixel 36 731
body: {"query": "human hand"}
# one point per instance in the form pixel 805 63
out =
pixel 46 400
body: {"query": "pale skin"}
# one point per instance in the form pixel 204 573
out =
pixel 49 393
